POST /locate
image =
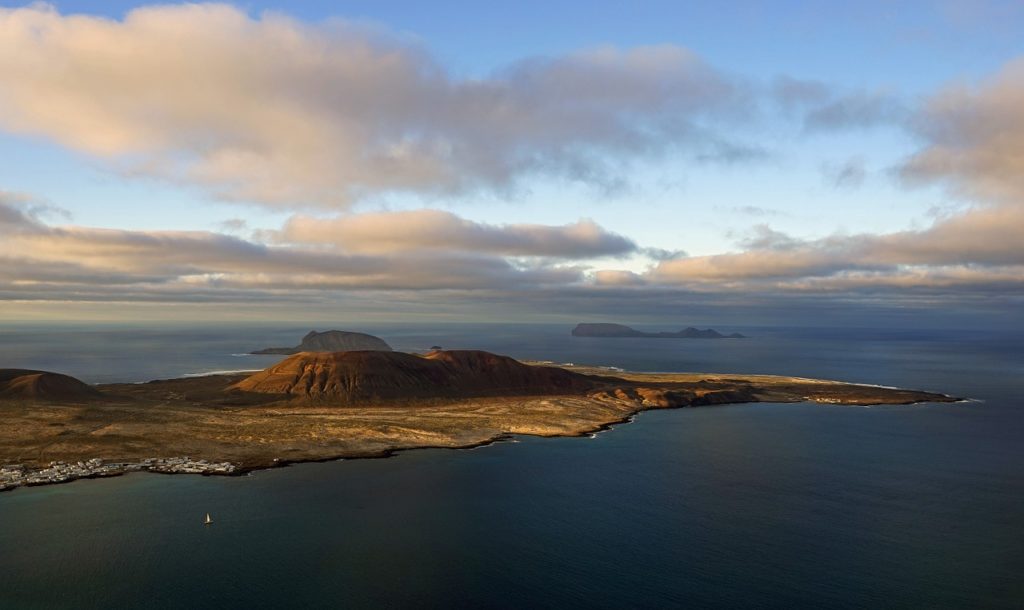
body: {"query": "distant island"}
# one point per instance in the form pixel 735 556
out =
pixel 319 406
pixel 331 341
pixel 621 330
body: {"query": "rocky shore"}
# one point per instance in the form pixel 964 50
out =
pixel 17 475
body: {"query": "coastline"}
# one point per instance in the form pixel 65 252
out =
pixel 104 470
pixel 59 472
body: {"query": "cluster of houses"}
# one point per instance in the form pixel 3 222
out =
pixel 16 475
pixel 188 465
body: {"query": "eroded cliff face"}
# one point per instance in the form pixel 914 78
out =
pixel 665 398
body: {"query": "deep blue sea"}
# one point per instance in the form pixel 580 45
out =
pixel 763 505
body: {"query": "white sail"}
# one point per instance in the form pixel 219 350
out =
pixel 208 519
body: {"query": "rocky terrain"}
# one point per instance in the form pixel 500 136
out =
pixel 315 406
pixel 620 330
pixel 331 341
pixel 345 378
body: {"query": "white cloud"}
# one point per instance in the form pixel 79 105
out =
pixel 277 111
pixel 436 251
pixel 281 112
pixel 385 232
pixel 974 139
pixel 975 240
pixel 64 261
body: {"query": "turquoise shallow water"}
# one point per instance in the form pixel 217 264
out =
pixel 747 505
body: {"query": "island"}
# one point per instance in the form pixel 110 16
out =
pixel 619 331
pixel 330 341
pixel 316 406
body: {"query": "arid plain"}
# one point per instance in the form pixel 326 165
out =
pixel 328 406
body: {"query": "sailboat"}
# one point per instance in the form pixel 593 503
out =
pixel 208 520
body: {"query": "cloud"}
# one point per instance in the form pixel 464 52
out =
pixel 662 254
pixel 618 277
pixel 286 113
pixel 792 92
pixel 751 266
pixel 974 139
pixel 763 237
pixel 423 250
pixel 385 232
pixel 824 107
pixel 964 279
pixel 233 225
pixel 967 246
pixel 429 252
pixel 849 174
pixel 859 109
pixel 23 212
pixel 981 236
pixel 11 216
pixel 188 259
pixel 952 263
pixel 281 112
pixel 755 210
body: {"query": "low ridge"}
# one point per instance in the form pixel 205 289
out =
pixel 607 330
pixel 43 386
pixel 346 377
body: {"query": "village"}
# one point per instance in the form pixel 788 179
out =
pixel 17 475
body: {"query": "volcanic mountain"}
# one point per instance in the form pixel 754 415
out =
pixel 41 386
pixel 331 341
pixel 346 377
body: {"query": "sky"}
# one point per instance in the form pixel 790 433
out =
pixel 727 162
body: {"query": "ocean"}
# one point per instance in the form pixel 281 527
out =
pixel 760 505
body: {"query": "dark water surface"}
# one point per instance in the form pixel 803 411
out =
pixel 748 505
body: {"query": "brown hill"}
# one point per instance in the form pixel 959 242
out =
pixel 41 386
pixel 346 377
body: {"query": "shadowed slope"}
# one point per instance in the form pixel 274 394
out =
pixel 367 375
pixel 41 386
